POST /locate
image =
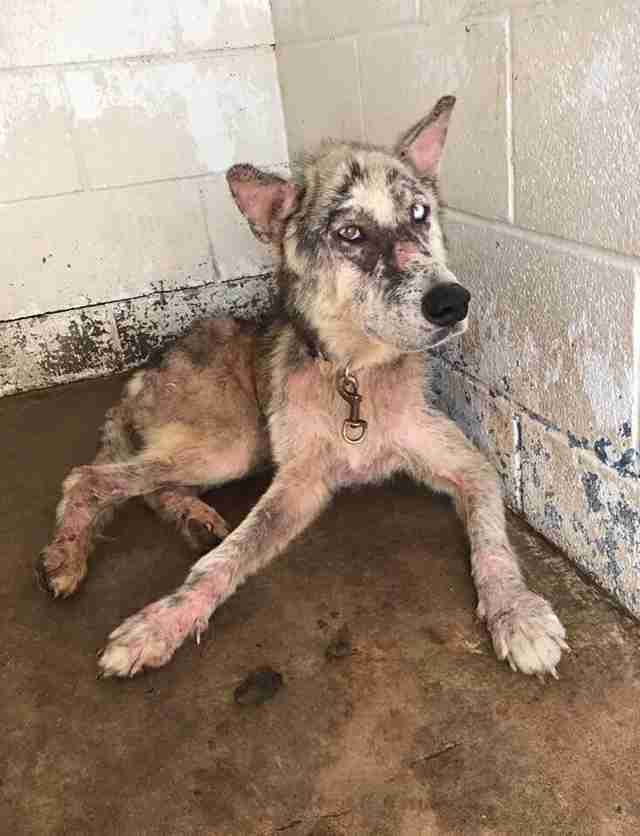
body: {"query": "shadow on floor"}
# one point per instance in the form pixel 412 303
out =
pixel 419 730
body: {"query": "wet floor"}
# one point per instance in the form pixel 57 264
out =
pixel 391 717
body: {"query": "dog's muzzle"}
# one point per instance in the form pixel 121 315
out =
pixel 446 304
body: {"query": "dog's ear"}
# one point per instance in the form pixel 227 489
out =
pixel 264 199
pixel 422 145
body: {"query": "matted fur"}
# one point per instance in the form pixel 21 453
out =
pixel 364 284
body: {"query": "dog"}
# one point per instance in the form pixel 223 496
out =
pixel 331 390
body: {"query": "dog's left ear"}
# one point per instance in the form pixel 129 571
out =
pixel 264 199
pixel 422 145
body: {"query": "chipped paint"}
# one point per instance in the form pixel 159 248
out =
pixel 42 351
pixel 598 524
pixel 542 332
pixel 485 418
pixel 580 493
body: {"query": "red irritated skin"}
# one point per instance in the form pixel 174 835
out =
pixel 365 292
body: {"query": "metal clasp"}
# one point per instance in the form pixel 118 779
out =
pixel 354 428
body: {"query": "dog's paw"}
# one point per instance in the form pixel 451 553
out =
pixel 149 638
pixel 528 634
pixel 60 570
pixel 203 535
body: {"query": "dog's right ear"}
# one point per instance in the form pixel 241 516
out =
pixel 422 145
pixel 264 199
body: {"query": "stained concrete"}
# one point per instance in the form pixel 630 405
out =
pixel 414 729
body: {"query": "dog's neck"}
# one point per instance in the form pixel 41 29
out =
pixel 340 347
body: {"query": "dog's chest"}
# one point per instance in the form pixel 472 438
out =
pixel 315 414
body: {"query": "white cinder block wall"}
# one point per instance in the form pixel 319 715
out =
pixel 541 175
pixel 117 122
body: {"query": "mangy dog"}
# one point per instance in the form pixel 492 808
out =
pixel 331 391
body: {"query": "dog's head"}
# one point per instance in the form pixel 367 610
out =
pixel 362 255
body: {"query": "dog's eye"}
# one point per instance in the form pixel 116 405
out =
pixel 350 233
pixel 419 212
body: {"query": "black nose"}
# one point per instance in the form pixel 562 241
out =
pixel 446 303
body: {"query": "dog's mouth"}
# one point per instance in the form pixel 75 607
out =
pixel 441 335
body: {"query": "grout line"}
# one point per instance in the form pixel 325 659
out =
pixel 566 434
pixel 576 248
pixel 635 419
pixel 178 42
pixel 509 118
pixel 112 302
pixel 517 461
pixel 174 57
pixel 356 49
pixel 280 97
pixel 122 186
pixel 411 25
pixel 215 270
pixel 78 156
pixel 33 197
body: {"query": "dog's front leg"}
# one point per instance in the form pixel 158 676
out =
pixel 523 626
pixel 150 638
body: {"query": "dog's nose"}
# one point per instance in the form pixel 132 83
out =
pixel 446 303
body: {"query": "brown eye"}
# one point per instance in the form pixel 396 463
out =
pixel 350 233
pixel 419 213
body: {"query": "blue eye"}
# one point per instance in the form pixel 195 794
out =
pixel 350 233
pixel 419 212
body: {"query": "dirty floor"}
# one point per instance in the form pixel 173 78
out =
pixel 407 726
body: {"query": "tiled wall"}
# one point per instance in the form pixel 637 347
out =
pixel 541 175
pixel 117 122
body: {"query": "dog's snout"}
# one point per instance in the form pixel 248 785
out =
pixel 446 304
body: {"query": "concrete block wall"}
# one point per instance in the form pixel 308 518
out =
pixel 541 178
pixel 117 122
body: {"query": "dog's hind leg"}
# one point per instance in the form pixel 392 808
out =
pixel 200 524
pixel 524 629
pixel 61 566
pixel 193 421
pixel 91 492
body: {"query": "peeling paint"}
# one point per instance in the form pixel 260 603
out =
pixel 485 418
pixel 591 484
pixel 542 333
pixel 85 345
pixel 598 526
pixel 42 351
pixel 552 516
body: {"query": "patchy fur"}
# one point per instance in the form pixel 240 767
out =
pixel 364 287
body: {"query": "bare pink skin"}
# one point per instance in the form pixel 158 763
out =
pixel 402 437
pixel 404 252
pixel 230 397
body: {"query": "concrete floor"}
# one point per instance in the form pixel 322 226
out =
pixel 418 731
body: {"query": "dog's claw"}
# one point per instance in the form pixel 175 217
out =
pixel 42 578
